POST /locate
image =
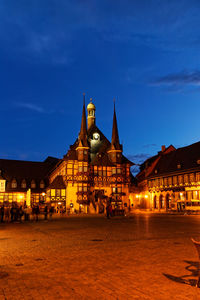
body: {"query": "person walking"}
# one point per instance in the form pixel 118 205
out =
pixel 21 213
pixel 2 213
pixel 37 212
pixel 7 213
pixel 108 211
pixel 45 212
pixel 12 213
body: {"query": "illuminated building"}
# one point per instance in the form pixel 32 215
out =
pixel 92 172
pixel 171 179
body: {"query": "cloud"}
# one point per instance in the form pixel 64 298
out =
pixel 149 145
pixel 183 78
pixel 138 158
pixel 33 107
pixel 52 30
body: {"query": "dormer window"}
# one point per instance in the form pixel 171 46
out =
pixel 156 171
pixel 42 184
pixel 23 184
pixel 14 184
pixel 179 166
pixel 198 161
pixel 33 184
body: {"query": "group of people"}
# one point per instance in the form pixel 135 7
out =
pixel 16 213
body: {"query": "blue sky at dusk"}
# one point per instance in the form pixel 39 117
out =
pixel 144 53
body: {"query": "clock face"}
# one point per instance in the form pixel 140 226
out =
pixel 96 136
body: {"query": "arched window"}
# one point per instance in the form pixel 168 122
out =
pixel 23 184
pixel 14 184
pixel 33 184
pixel 42 184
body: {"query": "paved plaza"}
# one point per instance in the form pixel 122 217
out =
pixel 142 256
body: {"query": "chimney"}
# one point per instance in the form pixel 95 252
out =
pixel 163 148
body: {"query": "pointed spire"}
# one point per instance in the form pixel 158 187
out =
pixel 115 135
pixel 83 131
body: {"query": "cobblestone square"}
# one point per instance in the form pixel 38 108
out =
pixel 142 256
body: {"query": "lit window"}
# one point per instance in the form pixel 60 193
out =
pixel 42 184
pixel 80 168
pixel 14 184
pixel 33 184
pixel 23 185
pixel 113 170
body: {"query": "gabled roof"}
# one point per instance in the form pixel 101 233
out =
pixel 102 159
pixel 57 183
pixel 26 170
pixel 19 169
pixel 181 159
pixel 100 147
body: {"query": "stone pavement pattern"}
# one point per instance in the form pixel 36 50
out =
pixel 136 257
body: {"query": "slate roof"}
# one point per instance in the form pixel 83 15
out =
pixel 186 157
pixel 99 154
pixel 57 183
pixel 28 170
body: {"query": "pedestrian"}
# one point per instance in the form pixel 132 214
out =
pixel 45 212
pixel 11 213
pixel 2 213
pixel 21 213
pixel 7 213
pixel 37 212
pixel 25 213
pixel 29 212
pixel 51 211
pixel 108 211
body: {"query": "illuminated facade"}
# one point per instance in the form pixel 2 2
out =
pixel 170 180
pixel 92 172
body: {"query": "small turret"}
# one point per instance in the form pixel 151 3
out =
pixel 83 148
pixel 91 114
pixel 115 151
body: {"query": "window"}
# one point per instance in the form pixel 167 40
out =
pixel 14 184
pixel 100 172
pixel 95 170
pixel 113 170
pixel 42 184
pixel 80 169
pixel 85 168
pixel 119 171
pixel 191 177
pixel 57 193
pixel 114 190
pixel 170 180
pixel 174 179
pixel 185 178
pixel 180 179
pixel 23 184
pixel 198 176
pixel 33 184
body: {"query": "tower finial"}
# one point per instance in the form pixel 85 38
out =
pixel 83 131
pixel 115 136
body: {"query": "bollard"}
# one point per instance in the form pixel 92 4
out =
pixel 197 245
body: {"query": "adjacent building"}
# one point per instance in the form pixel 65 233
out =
pixel 170 180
